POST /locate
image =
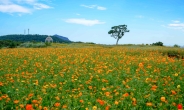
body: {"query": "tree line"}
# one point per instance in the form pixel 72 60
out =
pixel 31 38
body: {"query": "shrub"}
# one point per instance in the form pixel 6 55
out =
pixel 158 44
pixel 9 43
pixel 33 45
pixel 12 45
pixel 47 43
pixel 176 45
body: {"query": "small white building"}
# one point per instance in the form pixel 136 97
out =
pixel 49 39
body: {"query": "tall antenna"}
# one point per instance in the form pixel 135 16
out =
pixel 28 31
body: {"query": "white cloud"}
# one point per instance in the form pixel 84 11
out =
pixel 13 8
pixel 94 6
pixel 176 25
pixel 27 1
pixel 77 14
pixel 41 6
pixel 84 21
pixel 21 6
pixel 175 21
pixel 101 8
pixel 89 6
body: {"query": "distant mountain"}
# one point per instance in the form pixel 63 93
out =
pixel 61 37
pixel 30 37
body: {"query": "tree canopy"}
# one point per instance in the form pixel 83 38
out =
pixel 118 32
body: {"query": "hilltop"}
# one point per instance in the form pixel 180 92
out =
pixel 35 38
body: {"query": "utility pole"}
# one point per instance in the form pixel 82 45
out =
pixel 28 31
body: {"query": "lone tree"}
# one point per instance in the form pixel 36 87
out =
pixel 118 31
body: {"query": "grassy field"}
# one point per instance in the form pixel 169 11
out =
pixel 90 77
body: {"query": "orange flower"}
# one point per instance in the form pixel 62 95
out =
pixel 34 101
pixel 21 106
pixel 149 104
pixel 125 95
pixel 40 107
pixel 103 89
pixel 134 101
pixel 162 99
pixel 154 88
pixel 30 95
pixel 29 107
pixel 173 92
pixel 4 96
pixel 80 94
pixel 107 107
pixel 57 104
pixel 25 62
pixel 141 65
pixel 116 102
pixel 81 101
pixel 45 108
pixel 90 87
pixel 64 106
pixel 36 82
pixel 16 101
pixel 53 85
pixel 101 102
pixel 107 93
pixel 1 84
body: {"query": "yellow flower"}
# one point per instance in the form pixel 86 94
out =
pixel 94 107
pixel 57 98
pixel 149 104
pixel 176 74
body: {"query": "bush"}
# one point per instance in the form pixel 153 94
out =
pixel 12 45
pixel 33 45
pixel 47 43
pixel 173 54
pixel 176 45
pixel 158 44
pixel 9 43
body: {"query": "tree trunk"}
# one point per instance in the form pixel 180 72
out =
pixel 117 41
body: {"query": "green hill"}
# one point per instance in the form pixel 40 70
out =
pixel 27 38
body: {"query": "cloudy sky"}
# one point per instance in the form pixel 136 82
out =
pixel 149 21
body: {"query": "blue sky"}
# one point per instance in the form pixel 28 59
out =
pixel 149 21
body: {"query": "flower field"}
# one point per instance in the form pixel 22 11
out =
pixel 90 79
